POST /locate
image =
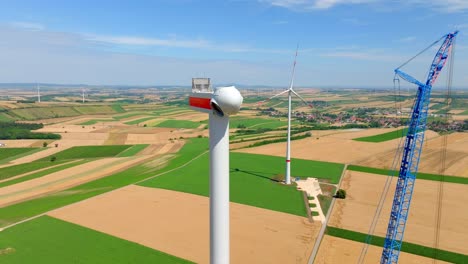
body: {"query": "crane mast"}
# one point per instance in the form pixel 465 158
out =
pixel 412 152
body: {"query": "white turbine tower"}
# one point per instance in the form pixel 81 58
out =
pixel 38 93
pixel 287 176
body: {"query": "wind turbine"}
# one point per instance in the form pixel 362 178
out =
pixel 38 93
pixel 83 95
pixel 290 91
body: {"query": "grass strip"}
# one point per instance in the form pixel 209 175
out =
pixel 15 170
pixel 384 137
pixel 9 154
pixel 412 248
pixel 420 175
pixel 83 152
pixel 50 240
pixel 138 121
pixel 133 150
pixel 172 123
pixel 42 173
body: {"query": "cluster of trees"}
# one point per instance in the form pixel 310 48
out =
pixel 11 130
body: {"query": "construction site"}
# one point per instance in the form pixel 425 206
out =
pixel 313 178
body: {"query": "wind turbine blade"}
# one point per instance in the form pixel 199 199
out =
pixel 294 68
pixel 302 99
pixel 285 91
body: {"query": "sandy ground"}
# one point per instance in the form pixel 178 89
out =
pixel 456 156
pixel 19 143
pixel 363 193
pixel 178 224
pixel 329 146
pixel 338 250
pixel 65 179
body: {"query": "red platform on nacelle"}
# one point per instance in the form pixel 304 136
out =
pixel 200 102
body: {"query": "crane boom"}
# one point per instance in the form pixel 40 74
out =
pixel 411 153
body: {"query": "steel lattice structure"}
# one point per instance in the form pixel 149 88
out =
pixel 412 152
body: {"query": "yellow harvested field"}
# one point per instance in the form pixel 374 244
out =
pixel 62 128
pixel 178 223
pixel 363 193
pixel 81 139
pixel 19 143
pixel 333 146
pixel 339 250
pixel 456 156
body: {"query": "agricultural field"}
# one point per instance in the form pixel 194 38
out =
pixel 128 164
pixel 250 174
pixel 15 170
pixel 172 123
pixel 133 150
pixel 7 154
pixel 385 136
pixel 81 152
pixel 354 214
pixel 49 239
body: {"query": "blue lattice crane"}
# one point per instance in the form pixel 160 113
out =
pixel 412 151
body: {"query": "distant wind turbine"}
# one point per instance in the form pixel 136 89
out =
pixel 83 95
pixel 288 144
pixel 38 93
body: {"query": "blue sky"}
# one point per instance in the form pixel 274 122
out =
pixel 342 43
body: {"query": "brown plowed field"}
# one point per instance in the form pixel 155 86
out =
pixel 339 250
pixel 363 192
pixel 178 224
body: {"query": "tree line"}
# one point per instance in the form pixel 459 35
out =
pixel 12 130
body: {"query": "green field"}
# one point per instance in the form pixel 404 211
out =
pixel 17 212
pixel 257 123
pixel 172 123
pixel 384 137
pixel 33 113
pixel 118 108
pixel 133 150
pixel 94 121
pixel 420 175
pixel 406 247
pixel 50 240
pixel 82 152
pixel 5 117
pixel 253 180
pixel 14 153
pixel 138 121
pixel 94 109
pixel 15 170
pixel 20 211
pixel 42 173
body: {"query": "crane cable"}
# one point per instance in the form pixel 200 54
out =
pixel 443 156
pixel 388 182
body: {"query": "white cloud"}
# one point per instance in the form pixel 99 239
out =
pixel 448 6
pixel 28 25
pixel 142 41
pixel 301 5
